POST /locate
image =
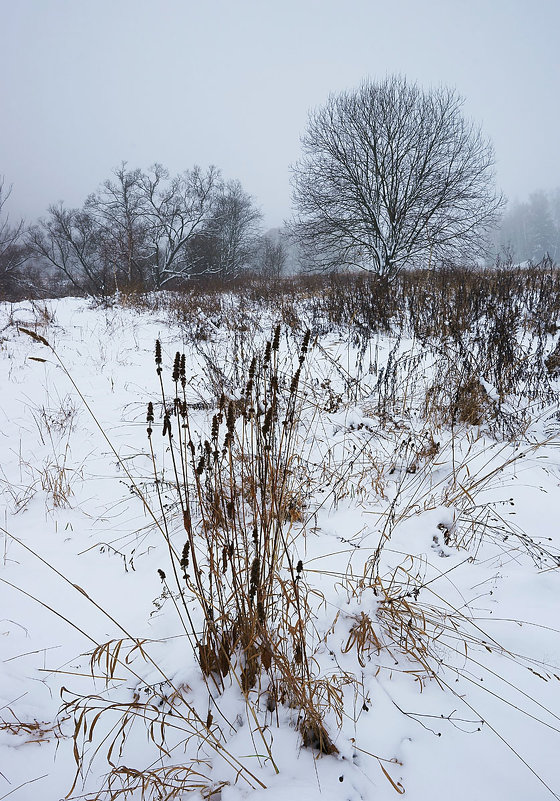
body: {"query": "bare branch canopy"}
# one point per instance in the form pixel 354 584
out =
pixel 392 175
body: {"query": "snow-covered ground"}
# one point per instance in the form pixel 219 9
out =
pixel 456 693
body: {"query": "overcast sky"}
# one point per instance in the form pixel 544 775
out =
pixel 86 84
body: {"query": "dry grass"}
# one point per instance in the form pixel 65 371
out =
pixel 233 493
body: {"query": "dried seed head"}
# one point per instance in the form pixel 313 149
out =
pixel 158 356
pixel 150 418
pixel 295 382
pixel 255 577
pixel 215 428
pixel 299 567
pixel 176 367
pixel 185 556
pixel 161 574
pixel 276 338
pixel 200 466
pixel 207 448
pixel 252 368
pixel 267 354
pixel 183 371
pixel 304 346
pixel 222 402
pixel 267 421
pixel 230 420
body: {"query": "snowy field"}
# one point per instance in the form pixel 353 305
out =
pixel 413 610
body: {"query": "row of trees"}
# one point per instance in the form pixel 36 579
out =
pixel 145 230
pixel 391 176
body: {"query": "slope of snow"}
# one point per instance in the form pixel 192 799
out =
pixel 80 561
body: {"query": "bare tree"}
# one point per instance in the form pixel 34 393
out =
pixel 393 175
pixel 174 211
pixel 12 252
pixel 118 208
pixel 271 255
pixel 72 241
pixel 226 244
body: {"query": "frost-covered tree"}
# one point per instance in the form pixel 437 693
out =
pixel 392 175
pixel 134 231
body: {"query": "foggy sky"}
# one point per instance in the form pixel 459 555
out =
pixel 86 84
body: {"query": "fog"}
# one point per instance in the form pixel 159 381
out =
pixel 86 85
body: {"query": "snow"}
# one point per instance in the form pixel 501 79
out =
pixel 471 547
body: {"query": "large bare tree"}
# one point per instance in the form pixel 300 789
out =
pixel 393 175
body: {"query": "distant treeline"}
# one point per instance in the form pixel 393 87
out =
pixel 531 230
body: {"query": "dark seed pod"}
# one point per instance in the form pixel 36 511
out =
pixel 185 555
pixel 183 371
pixel 176 367
pixel 230 420
pixel 161 574
pixel 158 356
pixel 267 350
pixel 255 576
pixel 276 338
pixel 299 567
pixel 295 382
pixel 252 368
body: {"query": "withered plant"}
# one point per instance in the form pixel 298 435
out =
pixel 238 499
